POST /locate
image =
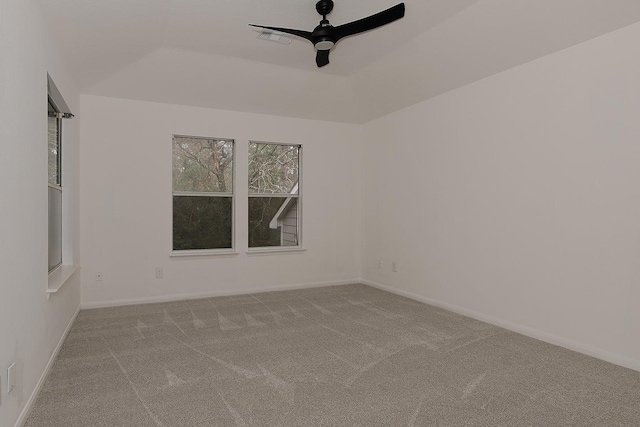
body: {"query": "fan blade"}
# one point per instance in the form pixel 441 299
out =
pixel 374 21
pixel 322 58
pixel 299 33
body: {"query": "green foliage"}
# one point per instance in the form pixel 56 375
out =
pixel 201 222
pixel 202 165
pixel 273 168
pixel 261 211
pixel 205 165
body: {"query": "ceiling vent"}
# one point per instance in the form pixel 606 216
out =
pixel 275 36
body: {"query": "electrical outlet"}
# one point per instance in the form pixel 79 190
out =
pixel 394 267
pixel 99 276
pixel 11 377
pixel 159 273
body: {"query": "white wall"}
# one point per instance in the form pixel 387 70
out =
pixel 518 197
pixel 482 39
pixel 126 202
pixel 30 325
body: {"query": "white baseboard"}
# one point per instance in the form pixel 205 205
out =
pixel 210 294
pixel 617 359
pixel 32 399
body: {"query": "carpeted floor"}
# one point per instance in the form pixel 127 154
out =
pixel 336 356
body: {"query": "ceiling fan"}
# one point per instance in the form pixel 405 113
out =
pixel 325 35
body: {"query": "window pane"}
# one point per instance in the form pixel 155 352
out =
pixel 273 221
pixel 55 228
pixel 273 168
pixel 54 149
pixel 201 222
pixel 202 165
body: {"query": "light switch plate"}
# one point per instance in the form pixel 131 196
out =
pixel 11 377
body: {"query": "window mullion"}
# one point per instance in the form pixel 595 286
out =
pixel 283 195
pixel 200 194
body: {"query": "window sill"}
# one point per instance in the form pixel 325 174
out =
pixel 277 250
pixel 203 253
pixel 60 276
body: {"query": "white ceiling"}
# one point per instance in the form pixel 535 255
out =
pixel 203 53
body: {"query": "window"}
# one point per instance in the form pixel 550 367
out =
pixel 55 186
pixel 61 264
pixel 274 195
pixel 203 190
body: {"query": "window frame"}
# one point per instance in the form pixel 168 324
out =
pixel 61 274
pixel 278 249
pixel 233 194
pixel 58 185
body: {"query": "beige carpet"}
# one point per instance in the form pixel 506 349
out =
pixel 335 356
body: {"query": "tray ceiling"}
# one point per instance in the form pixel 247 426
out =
pixel 203 53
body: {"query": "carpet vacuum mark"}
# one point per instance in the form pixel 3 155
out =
pixel 334 356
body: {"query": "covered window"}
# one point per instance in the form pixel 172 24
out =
pixel 203 191
pixel 57 112
pixel 274 195
pixel 55 186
